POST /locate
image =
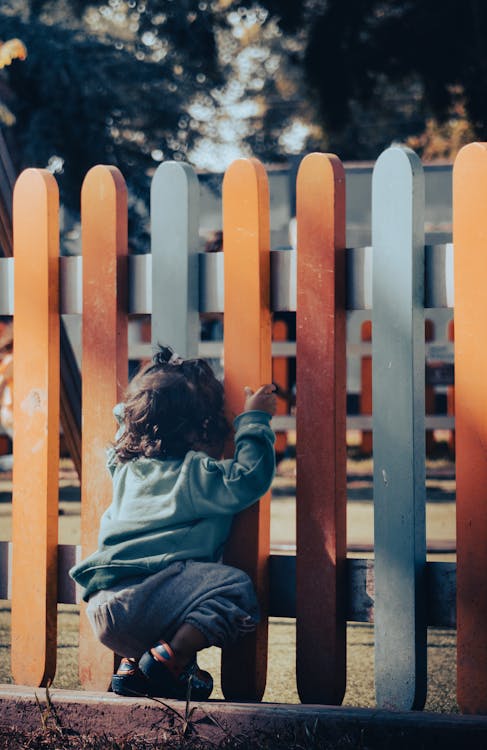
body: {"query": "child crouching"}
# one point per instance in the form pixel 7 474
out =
pixel 156 591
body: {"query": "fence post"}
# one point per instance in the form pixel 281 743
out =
pixel 174 241
pixel 398 366
pixel 247 361
pixel 470 273
pixel 321 431
pixel 36 428
pixel 104 371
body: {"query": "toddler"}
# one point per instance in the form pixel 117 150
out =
pixel 156 591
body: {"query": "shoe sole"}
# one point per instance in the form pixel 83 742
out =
pixel 122 686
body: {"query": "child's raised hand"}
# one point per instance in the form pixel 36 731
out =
pixel 264 399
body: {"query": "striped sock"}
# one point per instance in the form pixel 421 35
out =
pixel 162 652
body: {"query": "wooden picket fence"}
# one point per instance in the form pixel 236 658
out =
pixel 398 589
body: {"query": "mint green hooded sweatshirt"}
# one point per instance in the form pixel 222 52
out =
pixel 177 509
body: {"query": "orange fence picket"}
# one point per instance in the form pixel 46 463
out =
pixel 247 361
pixel 321 431
pixel 36 428
pixel 104 371
pixel 469 232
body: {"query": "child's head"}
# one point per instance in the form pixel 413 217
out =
pixel 172 406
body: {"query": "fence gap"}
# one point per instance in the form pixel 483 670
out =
pixel 247 361
pixel 104 372
pixel 36 432
pixel 470 269
pixel 398 398
pixel 321 431
pixel 280 376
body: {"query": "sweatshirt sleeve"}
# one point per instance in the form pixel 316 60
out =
pixel 230 485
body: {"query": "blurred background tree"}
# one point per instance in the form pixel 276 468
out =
pixel 135 82
pixel 382 70
pixel 106 83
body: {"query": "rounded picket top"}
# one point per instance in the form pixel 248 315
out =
pixel 246 195
pixel 468 157
pixel 469 191
pixel 34 190
pixel 34 176
pixel 398 158
pixel 174 174
pixel 320 166
pixel 103 175
pixel 244 168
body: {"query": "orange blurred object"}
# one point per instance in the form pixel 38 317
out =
pixel 13 49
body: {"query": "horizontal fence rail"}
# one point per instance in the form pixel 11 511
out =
pixel 358 261
pixel 359 583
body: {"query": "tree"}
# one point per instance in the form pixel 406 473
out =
pixel 362 55
pixel 131 84
pixel 106 84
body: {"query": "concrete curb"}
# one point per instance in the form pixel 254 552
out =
pixel 213 723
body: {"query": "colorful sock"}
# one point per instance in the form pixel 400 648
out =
pixel 127 666
pixel 163 653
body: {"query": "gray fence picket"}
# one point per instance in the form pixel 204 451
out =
pixel 398 356
pixel 174 241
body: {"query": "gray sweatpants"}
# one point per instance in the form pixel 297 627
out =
pixel 216 599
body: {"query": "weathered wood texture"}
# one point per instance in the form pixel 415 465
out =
pixel 36 436
pixel 320 422
pixel 104 371
pixel 470 227
pixel 398 401
pixel 247 361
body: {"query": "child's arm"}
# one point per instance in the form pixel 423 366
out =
pixel 230 485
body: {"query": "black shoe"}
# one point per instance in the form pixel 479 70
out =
pixel 192 682
pixel 129 680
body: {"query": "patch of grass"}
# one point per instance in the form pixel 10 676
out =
pixel 281 681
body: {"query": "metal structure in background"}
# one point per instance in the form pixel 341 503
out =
pixel 70 414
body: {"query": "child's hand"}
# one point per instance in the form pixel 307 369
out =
pixel 264 399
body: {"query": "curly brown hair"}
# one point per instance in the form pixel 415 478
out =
pixel 172 406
